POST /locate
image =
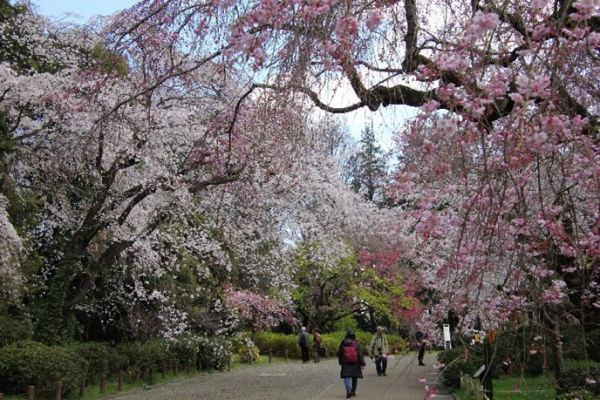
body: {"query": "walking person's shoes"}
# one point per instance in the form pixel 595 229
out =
pixel 352 394
pixel 348 395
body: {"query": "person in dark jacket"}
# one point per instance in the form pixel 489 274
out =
pixel 350 371
pixel 420 337
pixel 303 342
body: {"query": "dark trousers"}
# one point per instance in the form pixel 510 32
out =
pixel 317 353
pixel 304 351
pixel 380 365
pixel 421 352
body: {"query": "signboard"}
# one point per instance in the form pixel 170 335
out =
pixel 479 371
pixel 447 342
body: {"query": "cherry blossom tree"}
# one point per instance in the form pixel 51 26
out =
pixel 500 167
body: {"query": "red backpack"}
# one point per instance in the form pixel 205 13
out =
pixel 350 355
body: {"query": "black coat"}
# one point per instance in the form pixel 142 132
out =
pixel 350 370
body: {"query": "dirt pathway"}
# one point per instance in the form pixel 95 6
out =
pixel 294 380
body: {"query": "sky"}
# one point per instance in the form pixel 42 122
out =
pixel 84 8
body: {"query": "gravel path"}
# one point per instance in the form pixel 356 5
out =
pixel 294 380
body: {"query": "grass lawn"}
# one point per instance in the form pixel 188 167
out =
pixel 509 388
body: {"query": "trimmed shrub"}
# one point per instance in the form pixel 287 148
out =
pixel 143 359
pixel 97 356
pixel 30 363
pixel 278 343
pixel 184 350
pixel 116 361
pixel 330 343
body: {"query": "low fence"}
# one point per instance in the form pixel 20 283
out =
pixel 31 391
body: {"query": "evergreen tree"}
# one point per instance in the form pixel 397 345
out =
pixel 369 167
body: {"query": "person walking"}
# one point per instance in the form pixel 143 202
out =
pixel 420 337
pixel 303 342
pixel 379 350
pixel 317 345
pixel 352 362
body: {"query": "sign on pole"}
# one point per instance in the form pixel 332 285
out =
pixel 447 342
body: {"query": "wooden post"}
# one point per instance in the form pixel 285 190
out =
pixel 81 390
pixel 270 356
pixel 120 381
pixel 58 390
pixel 176 367
pixel 30 392
pixel 102 383
pixel 286 354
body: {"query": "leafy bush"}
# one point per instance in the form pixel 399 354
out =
pixel 30 363
pixel 116 361
pixel 214 352
pixel 146 358
pixel 465 360
pixel 184 350
pixel 579 378
pixel 97 356
pixel 245 348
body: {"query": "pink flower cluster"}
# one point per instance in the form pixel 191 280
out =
pixel 260 311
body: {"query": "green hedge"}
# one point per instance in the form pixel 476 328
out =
pixel 30 363
pixel 279 343
pixel 97 355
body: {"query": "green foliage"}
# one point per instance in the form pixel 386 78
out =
pixel 245 348
pixel 579 378
pixel 97 355
pixel 116 361
pixel 54 322
pixel 322 292
pixel 13 330
pixel 344 323
pixel 29 363
pixel 278 343
pixel 382 295
pixel 184 350
pixel 330 342
pixel 108 61
pixel 145 358
pixel 460 360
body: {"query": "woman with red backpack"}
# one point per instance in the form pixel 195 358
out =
pixel 352 362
